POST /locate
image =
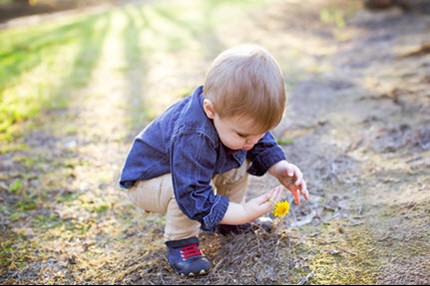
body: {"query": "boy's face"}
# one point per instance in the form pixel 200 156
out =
pixel 237 132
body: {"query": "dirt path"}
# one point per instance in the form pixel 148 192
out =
pixel 364 127
pixel 357 125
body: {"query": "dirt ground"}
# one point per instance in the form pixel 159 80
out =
pixel 366 135
pixel 361 134
pixel 357 124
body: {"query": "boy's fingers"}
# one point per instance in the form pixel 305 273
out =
pixel 299 179
pixel 278 197
pixel 290 170
pixel 295 192
pixel 276 194
pixel 296 196
pixel 304 190
pixel 265 197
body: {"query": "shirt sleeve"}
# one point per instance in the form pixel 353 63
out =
pixel 264 155
pixel 193 160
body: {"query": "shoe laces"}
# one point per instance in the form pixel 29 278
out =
pixel 190 251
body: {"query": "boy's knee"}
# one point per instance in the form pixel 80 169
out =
pixel 152 195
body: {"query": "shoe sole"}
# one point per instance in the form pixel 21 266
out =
pixel 202 272
pixel 191 274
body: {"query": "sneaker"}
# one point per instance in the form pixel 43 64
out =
pixel 186 258
pixel 264 223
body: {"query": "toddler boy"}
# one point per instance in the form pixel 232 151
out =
pixel 192 162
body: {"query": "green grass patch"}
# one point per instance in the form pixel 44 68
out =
pixel 14 251
pixel 67 197
pixel 101 208
pixel 26 161
pixel 13 147
pixel 343 258
pixel 26 206
pixel 47 221
pixel 285 141
pixel 41 65
pixel 15 186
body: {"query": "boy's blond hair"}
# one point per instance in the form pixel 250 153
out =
pixel 247 81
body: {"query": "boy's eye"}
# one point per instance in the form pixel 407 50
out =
pixel 241 135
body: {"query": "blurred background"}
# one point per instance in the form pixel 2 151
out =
pixel 79 80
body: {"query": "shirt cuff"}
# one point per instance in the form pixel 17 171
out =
pixel 218 210
pixel 265 160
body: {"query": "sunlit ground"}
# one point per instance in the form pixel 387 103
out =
pixel 75 90
pixel 162 50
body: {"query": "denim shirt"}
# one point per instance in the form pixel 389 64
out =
pixel 184 142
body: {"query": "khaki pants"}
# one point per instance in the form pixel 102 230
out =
pixel 156 195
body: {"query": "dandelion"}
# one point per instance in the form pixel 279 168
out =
pixel 281 208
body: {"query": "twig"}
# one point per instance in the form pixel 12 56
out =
pixel 218 264
pixel 306 279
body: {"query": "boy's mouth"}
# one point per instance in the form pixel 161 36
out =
pixel 247 148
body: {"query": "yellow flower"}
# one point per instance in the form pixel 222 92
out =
pixel 281 208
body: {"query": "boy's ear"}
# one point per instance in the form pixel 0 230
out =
pixel 209 108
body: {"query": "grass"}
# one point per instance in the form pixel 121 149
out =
pixel 63 220
pixel 348 259
pixel 41 64
pixel 61 198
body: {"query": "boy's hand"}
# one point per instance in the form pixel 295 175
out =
pixel 291 177
pixel 253 209
pixel 263 204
